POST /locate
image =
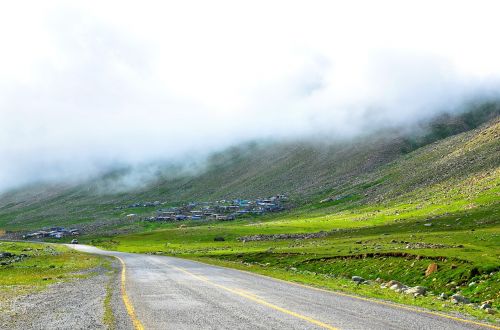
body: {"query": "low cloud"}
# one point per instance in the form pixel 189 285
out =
pixel 86 88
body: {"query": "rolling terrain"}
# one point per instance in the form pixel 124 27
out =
pixel 420 207
pixel 369 168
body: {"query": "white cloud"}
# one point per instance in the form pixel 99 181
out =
pixel 85 85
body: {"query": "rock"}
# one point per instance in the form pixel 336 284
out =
pixel 459 299
pixel 485 306
pixel 6 255
pixel 219 239
pixel 472 284
pixel 358 279
pixel 490 311
pixel 392 282
pixel 379 280
pixel 398 287
pixel 443 296
pixel 416 291
pixel 432 268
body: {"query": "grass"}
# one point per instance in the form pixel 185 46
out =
pixel 40 266
pixel 109 316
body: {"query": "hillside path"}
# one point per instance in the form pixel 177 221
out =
pixel 171 293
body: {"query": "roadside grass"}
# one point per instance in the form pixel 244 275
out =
pixel 109 316
pixel 39 266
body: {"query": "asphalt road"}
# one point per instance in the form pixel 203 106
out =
pixel 171 293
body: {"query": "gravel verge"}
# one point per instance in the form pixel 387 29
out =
pixel 78 304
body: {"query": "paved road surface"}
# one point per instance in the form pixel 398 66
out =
pixel 172 293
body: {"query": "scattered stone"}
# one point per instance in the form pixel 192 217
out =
pixel 392 282
pixel 416 291
pixel 490 311
pixel 219 239
pixel 358 279
pixel 485 306
pixel 459 299
pixel 472 284
pixel 398 287
pixel 6 255
pixel 432 268
pixel 443 296
pixel 272 237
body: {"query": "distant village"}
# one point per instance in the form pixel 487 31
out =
pixel 222 210
pixel 55 232
pixel 219 210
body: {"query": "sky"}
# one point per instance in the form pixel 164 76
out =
pixel 89 85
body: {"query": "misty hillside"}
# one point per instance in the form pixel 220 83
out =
pixel 370 169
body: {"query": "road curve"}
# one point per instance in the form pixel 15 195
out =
pixel 171 293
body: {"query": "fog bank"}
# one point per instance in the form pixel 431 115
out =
pixel 86 86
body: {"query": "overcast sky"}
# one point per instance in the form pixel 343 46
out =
pixel 88 84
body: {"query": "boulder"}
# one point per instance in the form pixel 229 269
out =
pixel 459 299
pixel 443 296
pixel 392 282
pixel 6 255
pixel 416 291
pixel 490 311
pixel 398 287
pixel 485 306
pixel 358 279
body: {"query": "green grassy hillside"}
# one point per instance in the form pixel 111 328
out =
pixel 372 168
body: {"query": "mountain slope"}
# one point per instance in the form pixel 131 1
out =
pixel 374 168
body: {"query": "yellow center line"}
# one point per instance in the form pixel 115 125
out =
pixel 128 305
pixel 256 299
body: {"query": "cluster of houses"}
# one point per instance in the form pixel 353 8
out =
pixel 220 210
pixel 55 232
